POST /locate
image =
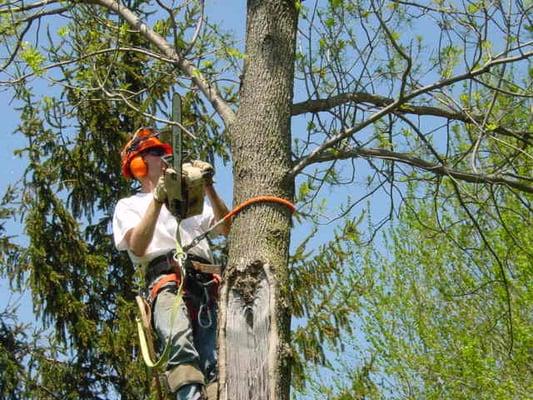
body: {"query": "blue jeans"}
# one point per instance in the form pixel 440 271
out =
pixel 192 343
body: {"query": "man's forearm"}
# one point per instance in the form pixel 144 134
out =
pixel 219 209
pixel 142 234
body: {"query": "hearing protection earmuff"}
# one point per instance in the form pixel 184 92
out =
pixel 138 167
pixel 133 165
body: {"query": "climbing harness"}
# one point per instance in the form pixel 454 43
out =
pixel 215 283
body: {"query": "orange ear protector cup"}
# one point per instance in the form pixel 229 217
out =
pixel 138 167
pixel 133 166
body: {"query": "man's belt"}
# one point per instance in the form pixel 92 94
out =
pixel 206 268
pixel 166 264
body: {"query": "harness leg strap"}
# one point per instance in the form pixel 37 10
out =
pixel 162 282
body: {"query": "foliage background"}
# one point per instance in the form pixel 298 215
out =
pixel 405 283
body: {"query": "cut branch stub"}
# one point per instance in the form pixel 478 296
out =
pixel 245 283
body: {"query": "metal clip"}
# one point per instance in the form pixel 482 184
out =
pixel 208 313
pixel 205 306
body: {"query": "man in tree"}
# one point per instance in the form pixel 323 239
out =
pixel 144 227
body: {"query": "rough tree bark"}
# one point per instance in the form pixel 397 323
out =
pixel 254 314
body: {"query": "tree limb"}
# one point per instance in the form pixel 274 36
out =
pixel 211 92
pixel 437 169
pixel 85 56
pixel 43 13
pixel 320 105
pixel 396 104
pixel 6 9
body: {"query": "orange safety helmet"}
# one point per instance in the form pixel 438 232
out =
pixel 133 165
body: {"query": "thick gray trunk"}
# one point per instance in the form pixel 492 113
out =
pixel 254 316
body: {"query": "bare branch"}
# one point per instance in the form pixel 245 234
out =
pixel 473 73
pixel 506 92
pixel 43 13
pixel 17 47
pixel 504 280
pixel 6 9
pixel 85 56
pixel 320 105
pixel 398 49
pixel 441 9
pixel 199 26
pixel 437 169
pixel 395 105
pixel 120 97
pixel 211 92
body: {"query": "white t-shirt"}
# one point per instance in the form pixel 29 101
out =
pixel 129 212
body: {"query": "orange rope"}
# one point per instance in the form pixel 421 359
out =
pixel 238 209
pixel 260 199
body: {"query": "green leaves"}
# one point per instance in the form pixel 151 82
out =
pixel 63 31
pixel 33 58
pixel 438 308
pixel 336 3
pixel 82 288
pixel 233 52
pixel 450 60
pixel 474 7
pixel 441 317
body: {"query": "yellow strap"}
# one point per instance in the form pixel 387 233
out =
pixel 179 255
pixel 144 347
pixel 142 336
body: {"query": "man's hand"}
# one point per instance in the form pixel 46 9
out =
pixel 160 191
pixel 207 170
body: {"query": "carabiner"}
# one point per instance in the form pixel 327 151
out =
pixel 208 313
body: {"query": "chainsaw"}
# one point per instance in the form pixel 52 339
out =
pixel 184 182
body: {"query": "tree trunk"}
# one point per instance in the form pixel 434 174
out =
pixel 254 328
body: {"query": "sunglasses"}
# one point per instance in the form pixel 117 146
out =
pixel 154 151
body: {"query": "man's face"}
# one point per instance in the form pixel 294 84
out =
pixel 152 158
